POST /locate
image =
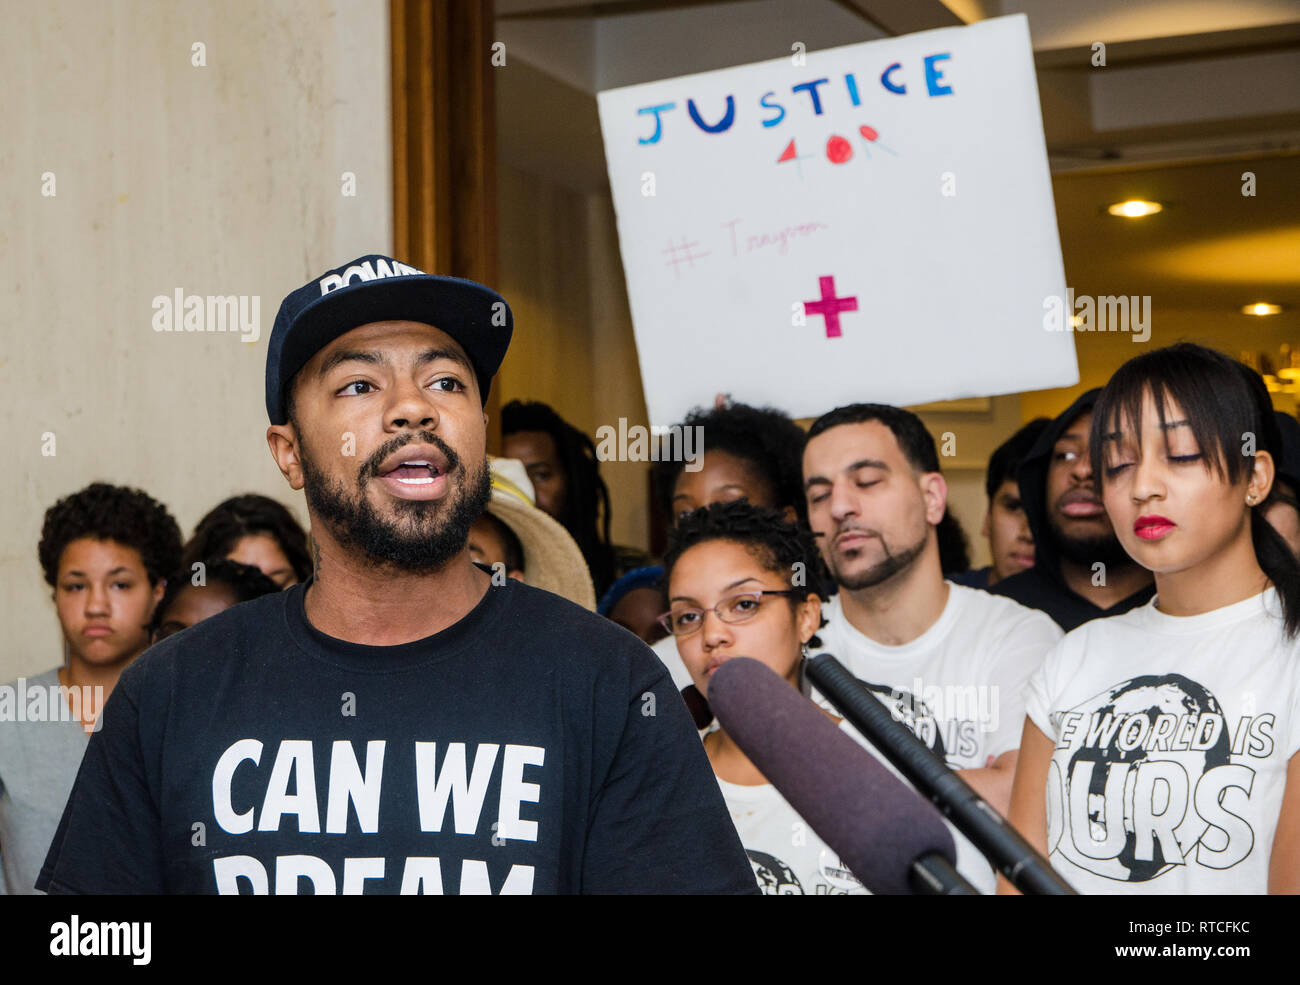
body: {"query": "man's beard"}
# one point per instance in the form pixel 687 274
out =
pixel 1087 551
pixel 882 570
pixel 427 533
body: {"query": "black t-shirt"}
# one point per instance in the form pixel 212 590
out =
pixel 532 747
pixel 1038 589
pixel 975 578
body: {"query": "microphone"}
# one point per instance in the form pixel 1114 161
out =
pixel 988 830
pixel 887 835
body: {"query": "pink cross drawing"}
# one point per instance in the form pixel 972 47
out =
pixel 829 307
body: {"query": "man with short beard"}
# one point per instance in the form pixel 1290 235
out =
pixel 951 662
pixel 399 723
pixel 1080 570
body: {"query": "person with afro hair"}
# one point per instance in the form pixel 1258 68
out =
pixel 747 453
pixel 105 552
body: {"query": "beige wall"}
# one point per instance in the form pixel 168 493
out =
pixel 218 180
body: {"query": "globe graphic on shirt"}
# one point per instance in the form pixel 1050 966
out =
pixel 775 878
pixel 1149 805
pixel 906 707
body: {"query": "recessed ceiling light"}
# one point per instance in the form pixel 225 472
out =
pixel 1261 308
pixel 1134 208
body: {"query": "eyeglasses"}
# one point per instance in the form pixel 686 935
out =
pixel 736 608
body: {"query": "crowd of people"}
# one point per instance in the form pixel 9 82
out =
pixel 1121 681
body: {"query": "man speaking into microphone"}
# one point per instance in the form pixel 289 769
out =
pixel 398 723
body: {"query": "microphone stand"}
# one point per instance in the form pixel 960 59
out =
pixel 988 830
pixel 934 875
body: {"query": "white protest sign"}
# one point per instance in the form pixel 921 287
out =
pixel 874 223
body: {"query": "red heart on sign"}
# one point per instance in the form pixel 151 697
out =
pixel 868 132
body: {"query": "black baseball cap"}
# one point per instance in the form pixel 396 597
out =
pixel 378 288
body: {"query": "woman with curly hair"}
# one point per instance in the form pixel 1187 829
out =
pixel 736 588
pixel 105 552
pixel 749 453
pixel 752 453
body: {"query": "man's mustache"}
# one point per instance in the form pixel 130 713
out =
pixel 370 469
pixel 863 531
pixel 1080 494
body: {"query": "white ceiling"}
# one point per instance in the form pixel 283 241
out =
pixel 1183 80
pixel 596 53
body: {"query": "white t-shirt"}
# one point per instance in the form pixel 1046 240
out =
pixel 1173 736
pixel 788 857
pixel 959 686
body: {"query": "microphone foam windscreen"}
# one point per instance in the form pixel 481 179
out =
pixel 871 819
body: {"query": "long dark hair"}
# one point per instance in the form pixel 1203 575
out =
pixel 246 516
pixel 1226 406
pixel 586 499
pixel 954 549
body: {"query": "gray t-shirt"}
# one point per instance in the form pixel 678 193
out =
pixel 38 763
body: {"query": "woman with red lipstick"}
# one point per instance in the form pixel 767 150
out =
pixel 104 551
pixel 1159 753
pixel 736 586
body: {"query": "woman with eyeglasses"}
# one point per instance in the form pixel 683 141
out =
pixel 737 587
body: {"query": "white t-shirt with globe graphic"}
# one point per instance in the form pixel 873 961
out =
pixel 788 857
pixel 1173 736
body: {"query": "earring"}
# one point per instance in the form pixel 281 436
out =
pixel 1250 500
pixel 803 649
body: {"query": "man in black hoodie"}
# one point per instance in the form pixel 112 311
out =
pixel 1080 571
